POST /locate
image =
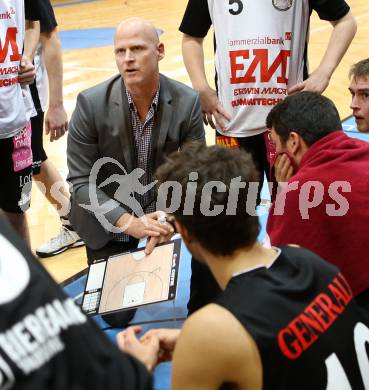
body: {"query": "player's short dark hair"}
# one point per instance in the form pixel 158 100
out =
pixel 360 70
pixel 309 114
pixel 221 234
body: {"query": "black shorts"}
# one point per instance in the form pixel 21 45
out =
pixel 255 145
pixel 16 171
pixel 39 154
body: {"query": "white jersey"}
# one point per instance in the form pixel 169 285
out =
pixel 259 55
pixel 15 102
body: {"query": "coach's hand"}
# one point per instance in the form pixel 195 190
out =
pixel 155 240
pixel 145 226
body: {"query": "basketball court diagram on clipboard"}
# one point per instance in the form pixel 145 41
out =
pixel 132 279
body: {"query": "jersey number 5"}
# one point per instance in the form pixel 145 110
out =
pixel 235 10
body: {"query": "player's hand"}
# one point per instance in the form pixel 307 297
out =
pixel 211 108
pixel 146 351
pixel 167 342
pixel 316 82
pixel 56 122
pixel 283 169
pixel 27 72
pixel 145 226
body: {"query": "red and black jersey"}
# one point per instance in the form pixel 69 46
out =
pixel 301 314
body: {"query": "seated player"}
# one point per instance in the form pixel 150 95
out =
pixel 45 340
pixel 359 88
pixel 286 319
pixel 324 205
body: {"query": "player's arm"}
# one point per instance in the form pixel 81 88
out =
pixel 27 72
pixel 32 12
pixel 193 57
pixel 344 30
pixel 212 349
pixel 31 38
pixel 56 119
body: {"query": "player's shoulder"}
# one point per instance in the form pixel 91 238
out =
pixel 222 342
pixel 215 327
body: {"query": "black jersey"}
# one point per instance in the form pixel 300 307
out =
pixel 46 343
pixel 301 314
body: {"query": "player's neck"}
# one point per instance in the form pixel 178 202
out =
pixel 224 267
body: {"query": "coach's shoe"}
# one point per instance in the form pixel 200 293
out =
pixel 67 238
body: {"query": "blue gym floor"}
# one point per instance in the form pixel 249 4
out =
pixel 172 314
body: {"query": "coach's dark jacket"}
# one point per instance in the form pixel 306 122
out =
pixel 101 127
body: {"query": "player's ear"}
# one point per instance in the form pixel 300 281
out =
pixel 294 142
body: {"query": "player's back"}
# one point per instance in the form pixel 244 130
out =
pixel 301 314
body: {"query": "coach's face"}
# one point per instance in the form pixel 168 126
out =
pixel 359 89
pixel 137 53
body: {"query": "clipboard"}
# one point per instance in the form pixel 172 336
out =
pixel 132 279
